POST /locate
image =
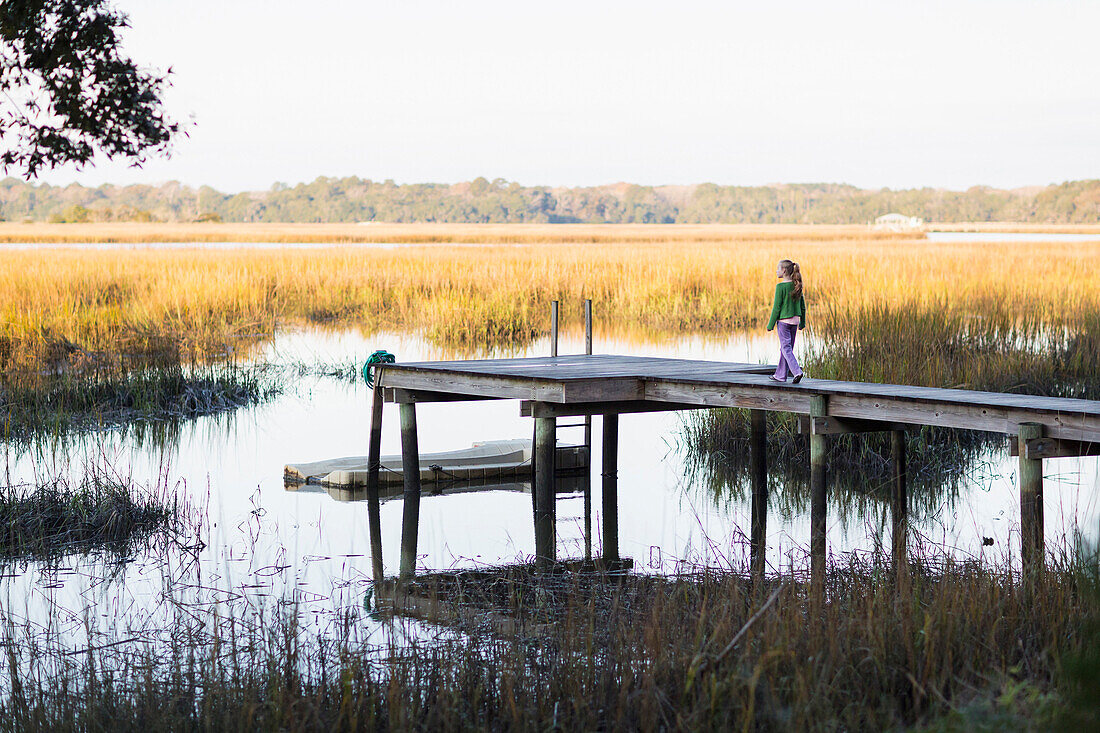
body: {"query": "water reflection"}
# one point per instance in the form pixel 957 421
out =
pixel 941 463
pixel 566 483
pixel 1012 236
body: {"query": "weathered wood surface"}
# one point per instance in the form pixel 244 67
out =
pixel 989 411
pixel 632 380
pixel 1053 448
pixel 573 378
pixel 843 425
pixel 819 492
pixel 581 366
pixel 545 503
pixel 398 395
pixel 374 517
pixel 410 513
pixel 1031 504
pixel 527 408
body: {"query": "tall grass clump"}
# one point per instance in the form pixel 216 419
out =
pixel 62 404
pixel 994 348
pixel 1080 667
pixel 99 513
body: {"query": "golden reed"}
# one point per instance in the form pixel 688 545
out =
pixel 671 281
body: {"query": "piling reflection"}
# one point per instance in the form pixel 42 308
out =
pixel 941 461
pixel 568 483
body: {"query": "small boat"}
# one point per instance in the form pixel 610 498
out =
pixel 490 460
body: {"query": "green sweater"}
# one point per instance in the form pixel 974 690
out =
pixel 787 307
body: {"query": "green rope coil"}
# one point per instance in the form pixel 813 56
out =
pixel 379 357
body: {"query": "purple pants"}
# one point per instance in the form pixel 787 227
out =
pixel 788 364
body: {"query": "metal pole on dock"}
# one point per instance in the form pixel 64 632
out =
pixel 758 475
pixel 545 446
pixel 374 517
pixel 588 440
pixel 553 328
pixel 588 325
pixel 899 504
pixel 818 491
pixel 610 489
pixel 410 465
pixel 1032 553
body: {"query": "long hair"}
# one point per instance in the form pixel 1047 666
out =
pixel 790 269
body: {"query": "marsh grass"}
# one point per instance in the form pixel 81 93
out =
pixel 995 348
pixel 100 513
pixel 961 642
pixel 64 404
pixel 663 283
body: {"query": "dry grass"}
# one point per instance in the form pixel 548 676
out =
pixel 68 308
pixel 101 513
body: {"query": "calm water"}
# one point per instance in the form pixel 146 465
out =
pixel 1011 237
pixel 266 546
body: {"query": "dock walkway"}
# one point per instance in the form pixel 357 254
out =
pixel 610 385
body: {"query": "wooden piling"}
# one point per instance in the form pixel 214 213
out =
pixel 818 492
pixel 1032 553
pixel 410 465
pixel 899 504
pixel 610 488
pixel 758 474
pixel 545 444
pixel 374 517
pixel 534 475
pixel 588 440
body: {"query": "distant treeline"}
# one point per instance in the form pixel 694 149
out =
pixel 355 199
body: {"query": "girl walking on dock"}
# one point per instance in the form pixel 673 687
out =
pixel 789 314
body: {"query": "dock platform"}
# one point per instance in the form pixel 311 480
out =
pixel 610 385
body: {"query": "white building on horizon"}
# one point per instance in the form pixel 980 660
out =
pixel 898 222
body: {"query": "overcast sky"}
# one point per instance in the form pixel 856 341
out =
pixel 898 94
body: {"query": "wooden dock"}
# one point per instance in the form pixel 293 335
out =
pixel 607 385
